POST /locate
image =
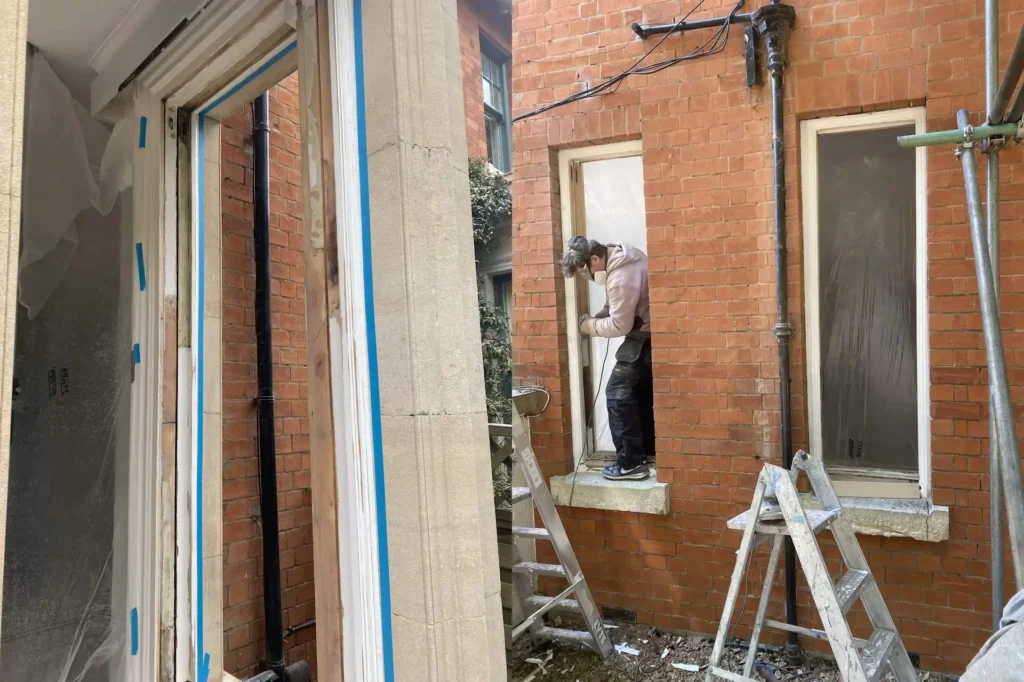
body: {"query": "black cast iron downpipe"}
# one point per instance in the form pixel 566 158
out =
pixel 265 388
pixel 773 23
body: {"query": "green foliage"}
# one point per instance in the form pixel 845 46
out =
pixel 491 204
pixel 495 342
pixel 490 199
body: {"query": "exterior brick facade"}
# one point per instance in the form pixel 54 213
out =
pixel 708 184
pixel 243 568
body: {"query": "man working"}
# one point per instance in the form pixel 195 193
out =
pixel 622 270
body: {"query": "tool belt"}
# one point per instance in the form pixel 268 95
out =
pixel 633 345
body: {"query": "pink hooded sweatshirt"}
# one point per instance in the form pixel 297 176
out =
pixel 626 292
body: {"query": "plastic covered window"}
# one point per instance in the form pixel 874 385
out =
pixel 867 292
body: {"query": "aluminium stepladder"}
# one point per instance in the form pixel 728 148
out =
pixel 858 660
pixel 576 597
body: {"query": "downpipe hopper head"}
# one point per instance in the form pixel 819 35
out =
pixel 774 23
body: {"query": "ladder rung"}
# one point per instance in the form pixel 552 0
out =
pixel 520 494
pixel 538 601
pixel 727 675
pixel 816 518
pixel 531 532
pixel 806 632
pixel 566 636
pixel 850 587
pixel 875 654
pixel 530 567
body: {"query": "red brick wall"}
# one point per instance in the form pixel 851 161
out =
pixel 708 184
pixel 472 22
pixel 243 568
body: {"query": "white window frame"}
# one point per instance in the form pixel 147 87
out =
pixel 489 274
pixel 568 160
pixel 266 40
pixel 866 482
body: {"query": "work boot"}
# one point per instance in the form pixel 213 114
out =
pixel 615 472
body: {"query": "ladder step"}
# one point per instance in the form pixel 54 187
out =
pixel 520 494
pixel 531 532
pixel 806 632
pixel 816 518
pixel 530 567
pixel 566 636
pixel 875 654
pixel 727 675
pixel 850 587
pixel 538 601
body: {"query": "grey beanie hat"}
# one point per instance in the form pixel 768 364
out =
pixel 577 255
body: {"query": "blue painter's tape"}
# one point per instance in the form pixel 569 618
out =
pixel 142 133
pixel 371 338
pixel 135 632
pixel 136 354
pixel 203 658
pixel 142 266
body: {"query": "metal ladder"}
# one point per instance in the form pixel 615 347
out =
pixel 858 660
pixel 576 597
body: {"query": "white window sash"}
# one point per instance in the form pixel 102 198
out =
pixel 849 481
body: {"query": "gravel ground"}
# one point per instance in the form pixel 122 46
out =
pixel 657 652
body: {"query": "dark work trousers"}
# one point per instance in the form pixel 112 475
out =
pixel 630 396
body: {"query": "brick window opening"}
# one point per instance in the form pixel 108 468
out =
pixel 494 71
pixel 603 198
pixel 865 284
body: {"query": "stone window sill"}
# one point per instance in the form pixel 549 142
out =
pixel 917 519
pixel 594 491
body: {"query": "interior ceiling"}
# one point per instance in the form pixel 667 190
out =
pixel 73 35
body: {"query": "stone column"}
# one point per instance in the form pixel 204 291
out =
pixel 13 42
pixel 446 602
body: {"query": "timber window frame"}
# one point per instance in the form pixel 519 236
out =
pixel 230 52
pixel 573 222
pixel 495 81
pixel 866 482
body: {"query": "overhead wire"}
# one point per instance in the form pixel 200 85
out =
pixel 717 43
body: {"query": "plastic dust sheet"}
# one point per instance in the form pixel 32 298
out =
pixel 613 196
pixel 72 163
pixel 868 294
pixel 66 566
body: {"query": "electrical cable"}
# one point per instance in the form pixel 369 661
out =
pixel 585 454
pixel 612 84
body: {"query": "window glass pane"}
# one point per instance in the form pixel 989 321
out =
pixel 503 292
pixel 497 144
pixel 493 78
pixel 867 299
pixel 487 93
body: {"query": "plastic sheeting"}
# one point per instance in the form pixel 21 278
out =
pixel 72 163
pixel 613 200
pixel 66 564
pixel 868 295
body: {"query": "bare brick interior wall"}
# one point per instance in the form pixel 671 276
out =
pixel 243 568
pixel 474 19
pixel 708 184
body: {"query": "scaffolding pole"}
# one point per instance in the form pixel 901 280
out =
pixel 997 97
pixel 999 385
pixel 965 133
